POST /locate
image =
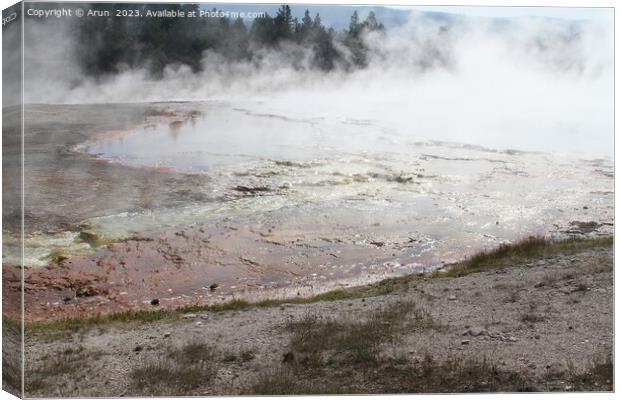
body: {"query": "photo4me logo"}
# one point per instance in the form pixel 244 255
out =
pixel 9 18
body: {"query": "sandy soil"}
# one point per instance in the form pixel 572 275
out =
pixel 545 320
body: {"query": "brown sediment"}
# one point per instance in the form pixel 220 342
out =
pixel 179 266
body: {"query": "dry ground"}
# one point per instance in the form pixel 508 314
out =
pixel 543 324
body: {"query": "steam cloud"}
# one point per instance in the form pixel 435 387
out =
pixel 527 83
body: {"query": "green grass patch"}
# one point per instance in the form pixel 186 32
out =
pixel 10 324
pixel 525 249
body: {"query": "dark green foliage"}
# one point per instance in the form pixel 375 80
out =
pixel 109 45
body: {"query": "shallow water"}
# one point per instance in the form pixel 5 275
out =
pixel 352 181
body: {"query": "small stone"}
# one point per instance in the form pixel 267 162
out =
pixel 536 336
pixel 288 357
pixel 477 332
pixel 155 302
pixel 189 316
pixel 198 323
pixel 452 297
pixel 512 339
pixel 137 349
pixel 213 286
pixel 166 334
pixel 539 284
pixel 464 341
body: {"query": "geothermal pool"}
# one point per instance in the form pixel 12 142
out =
pixel 282 204
pixel 359 181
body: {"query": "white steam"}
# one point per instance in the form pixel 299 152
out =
pixel 527 83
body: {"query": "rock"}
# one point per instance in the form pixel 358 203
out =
pixel 88 291
pixel 213 286
pixel 554 369
pixel 251 190
pixel 539 284
pixel 464 341
pixel 536 336
pixel 155 302
pixel 477 332
pixel 512 339
pixel 452 297
pixel 189 316
pixel 137 349
pixel 288 357
pixel 166 334
pixel 198 323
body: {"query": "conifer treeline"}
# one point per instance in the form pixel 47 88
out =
pixel 105 45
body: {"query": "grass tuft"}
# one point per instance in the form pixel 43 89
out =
pixel 354 339
pixel 184 370
pixel 532 247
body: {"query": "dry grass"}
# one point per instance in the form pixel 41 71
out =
pixel 513 297
pixel 429 375
pixel 182 371
pixel 356 339
pixel 598 377
pixel 67 363
pixel 284 382
pixel 11 377
pixel 532 247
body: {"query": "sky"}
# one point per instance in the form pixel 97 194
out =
pixel 572 13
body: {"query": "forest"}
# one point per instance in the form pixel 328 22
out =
pixel 108 45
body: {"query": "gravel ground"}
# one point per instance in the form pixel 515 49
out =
pixel 550 316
